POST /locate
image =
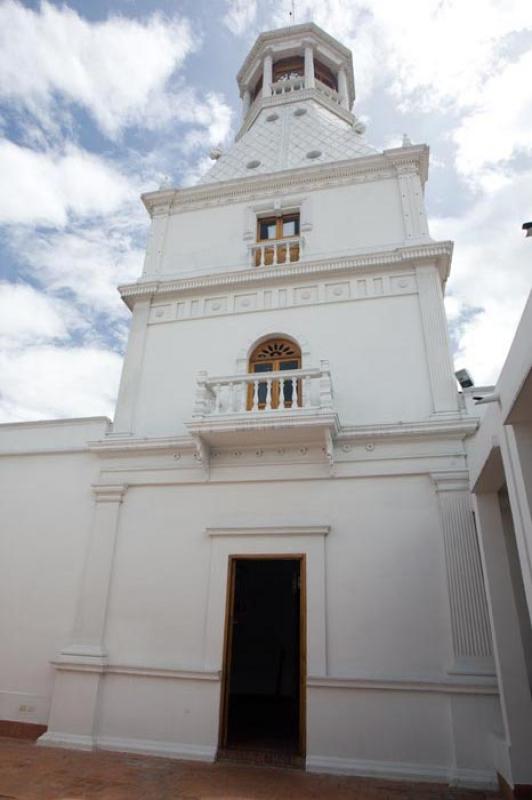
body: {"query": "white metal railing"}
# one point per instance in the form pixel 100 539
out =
pixel 256 393
pixel 332 94
pixel 276 251
pixel 287 85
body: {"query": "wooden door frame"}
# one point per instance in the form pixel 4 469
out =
pixel 228 640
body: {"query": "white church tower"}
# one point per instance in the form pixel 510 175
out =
pixel 281 555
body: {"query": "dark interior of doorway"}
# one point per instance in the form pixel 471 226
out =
pixel 263 692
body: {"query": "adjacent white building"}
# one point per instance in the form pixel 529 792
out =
pixel 273 546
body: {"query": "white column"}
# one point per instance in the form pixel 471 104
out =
pixel 413 205
pixel 309 66
pixel 81 664
pixel 467 595
pixel 342 88
pixel 132 369
pixel 513 755
pixel 267 75
pixel 246 102
pixel 434 321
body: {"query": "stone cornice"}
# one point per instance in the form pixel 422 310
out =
pixel 438 252
pixel 373 167
pixel 457 427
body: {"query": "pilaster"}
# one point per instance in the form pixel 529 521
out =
pixel 414 216
pixel 87 638
pixel 80 665
pixel 439 364
pixel 467 595
pixel 132 369
pixel 156 240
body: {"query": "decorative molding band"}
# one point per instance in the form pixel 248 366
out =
pixel 277 530
pixel 272 299
pixel 141 746
pixel 380 166
pixel 478 685
pixel 178 750
pixel 417 772
pixel 137 670
pixel 72 741
pixel 110 493
pixel 473 685
pixel 460 427
pixel 48 451
pixel 398 258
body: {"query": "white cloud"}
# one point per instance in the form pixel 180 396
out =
pixel 239 15
pixel 28 315
pixel 47 381
pixel 115 69
pixel 490 277
pixel 42 373
pixel 500 125
pixel 86 261
pixel 46 187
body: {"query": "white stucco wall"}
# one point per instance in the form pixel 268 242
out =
pixel 375 348
pixel 46 501
pixel 342 220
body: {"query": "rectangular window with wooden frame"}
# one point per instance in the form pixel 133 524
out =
pixel 278 240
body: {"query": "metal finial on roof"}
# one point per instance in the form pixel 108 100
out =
pixel 292 13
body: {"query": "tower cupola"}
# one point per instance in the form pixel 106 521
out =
pixel 293 64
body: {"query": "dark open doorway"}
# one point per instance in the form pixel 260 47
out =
pixel 264 656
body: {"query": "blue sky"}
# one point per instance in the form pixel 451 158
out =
pixel 102 99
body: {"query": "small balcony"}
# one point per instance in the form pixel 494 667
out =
pixel 277 252
pixel 288 85
pixel 326 91
pixel 265 407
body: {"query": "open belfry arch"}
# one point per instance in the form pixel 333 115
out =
pixel 272 547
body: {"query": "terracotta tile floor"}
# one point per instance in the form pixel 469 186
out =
pixel 28 772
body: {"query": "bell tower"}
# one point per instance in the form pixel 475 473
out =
pixel 287 391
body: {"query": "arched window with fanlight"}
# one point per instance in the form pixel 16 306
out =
pixel 273 356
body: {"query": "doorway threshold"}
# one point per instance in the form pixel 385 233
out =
pixel 257 757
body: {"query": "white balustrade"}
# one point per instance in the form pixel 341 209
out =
pixel 273 252
pixel 287 85
pixel 331 94
pixel 267 392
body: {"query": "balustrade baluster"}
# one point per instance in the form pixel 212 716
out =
pixel 230 402
pixel 255 404
pixel 244 395
pixel 307 389
pixel 281 393
pixel 268 394
pixel 217 389
pixel 295 394
pixel 274 256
